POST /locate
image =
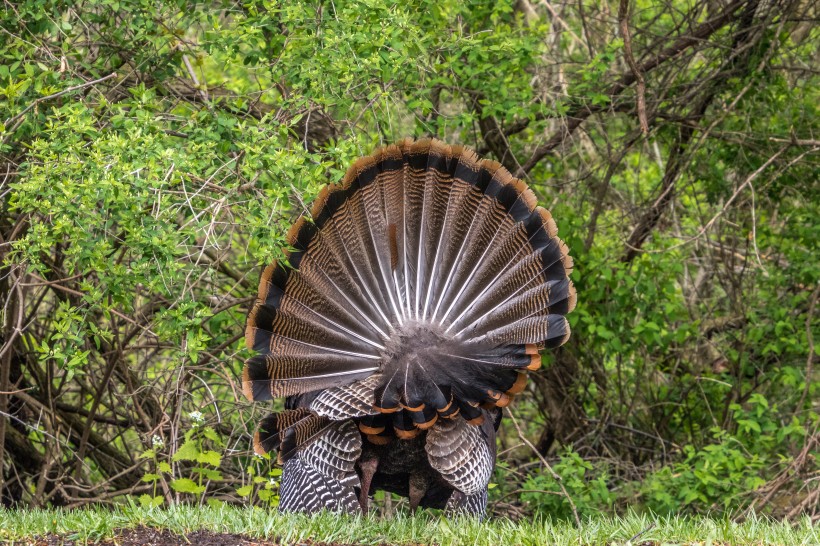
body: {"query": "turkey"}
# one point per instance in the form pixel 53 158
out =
pixel 412 303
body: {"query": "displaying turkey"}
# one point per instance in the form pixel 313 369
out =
pixel 412 304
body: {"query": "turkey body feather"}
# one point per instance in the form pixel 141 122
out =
pixel 414 301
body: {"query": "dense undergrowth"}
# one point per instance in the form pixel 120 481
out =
pixel 153 154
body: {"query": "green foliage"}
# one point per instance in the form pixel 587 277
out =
pixel 196 449
pixel 587 486
pixel 135 212
pixel 730 466
pixel 715 476
pixel 264 481
pixel 197 457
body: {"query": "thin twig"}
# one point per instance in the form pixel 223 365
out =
pixel 640 86
pixel 637 535
pixel 561 22
pixel 111 310
pixel 749 179
pixel 190 69
pixel 577 116
pixel 17 390
pixel 810 339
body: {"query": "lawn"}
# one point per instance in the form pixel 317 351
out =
pixel 225 525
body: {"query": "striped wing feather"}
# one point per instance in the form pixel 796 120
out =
pixel 305 489
pixel 460 453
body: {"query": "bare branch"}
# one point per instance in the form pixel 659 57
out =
pixel 623 22
pixel 578 115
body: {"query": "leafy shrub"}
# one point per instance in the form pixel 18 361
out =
pixel 732 465
pixel 586 484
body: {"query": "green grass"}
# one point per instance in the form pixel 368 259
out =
pixel 91 524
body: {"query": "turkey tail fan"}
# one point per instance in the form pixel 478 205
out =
pixel 419 290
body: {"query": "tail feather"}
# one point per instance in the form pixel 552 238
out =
pixel 530 330
pixel 393 196
pixel 542 255
pixel 448 194
pixel 292 424
pixel 551 298
pixel 305 365
pixel 293 319
pixel 463 208
pixel 357 243
pixel 486 245
pixel 511 247
pixel 258 387
pixel 346 270
pixel 321 299
pixel 463 219
pixel 427 178
pixel 335 289
pixel 373 229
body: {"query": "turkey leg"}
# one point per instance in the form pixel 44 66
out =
pixel 417 489
pixel 368 467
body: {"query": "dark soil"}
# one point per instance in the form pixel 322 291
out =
pixel 146 536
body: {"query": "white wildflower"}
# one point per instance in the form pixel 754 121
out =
pixel 156 442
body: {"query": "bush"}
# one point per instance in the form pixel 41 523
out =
pixel 153 155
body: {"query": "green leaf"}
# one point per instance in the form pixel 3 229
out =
pixel 186 485
pixel 208 473
pixel 265 495
pixel 212 435
pixel 209 457
pixel 244 491
pixel 187 452
pixel 147 501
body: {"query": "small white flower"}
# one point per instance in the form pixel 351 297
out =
pixel 273 482
pixel 196 416
pixel 157 442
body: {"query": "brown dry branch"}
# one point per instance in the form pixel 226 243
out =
pixel 640 83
